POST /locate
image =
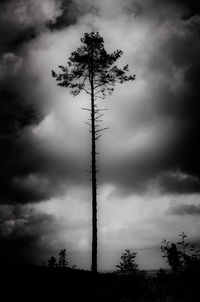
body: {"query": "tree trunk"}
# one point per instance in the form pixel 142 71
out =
pixel 94 171
pixel 94 185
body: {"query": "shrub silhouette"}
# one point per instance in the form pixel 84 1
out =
pixel 128 264
pixel 172 254
pixel 52 262
pixel 181 256
pixel 62 261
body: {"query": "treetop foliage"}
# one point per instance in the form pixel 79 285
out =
pixel 90 67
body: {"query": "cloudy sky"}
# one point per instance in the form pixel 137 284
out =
pixel 149 180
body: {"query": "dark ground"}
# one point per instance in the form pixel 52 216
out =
pixel 57 284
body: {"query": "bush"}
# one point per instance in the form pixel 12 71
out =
pixel 181 256
pixel 62 262
pixel 128 264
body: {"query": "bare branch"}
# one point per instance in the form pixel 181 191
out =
pixel 102 129
pixel 100 115
pixel 103 109
pixel 96 138
pixel 87 124
pixel 83 108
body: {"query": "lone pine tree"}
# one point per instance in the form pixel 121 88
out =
pixel 92 70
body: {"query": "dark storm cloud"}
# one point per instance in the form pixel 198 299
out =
pixel 187 8
pixel 20 22
pixel 13 34
pixel 29 236
pixel 16 116
pixel 134 175
pixel 21 233
pixel 67 17
pixel 28 172
pixel 185 209
pixel 31 174
pixel 71 11
pixel 192 6
pixel 187 151
pixel 177 52
pixel 184 106
pixel 178 183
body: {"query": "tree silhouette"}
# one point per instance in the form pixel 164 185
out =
pixel 62 259
pixel 128 264
pixel 92 70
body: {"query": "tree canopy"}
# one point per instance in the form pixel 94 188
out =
pixel 91 63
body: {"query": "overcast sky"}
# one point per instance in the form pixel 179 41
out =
pixel 149 180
